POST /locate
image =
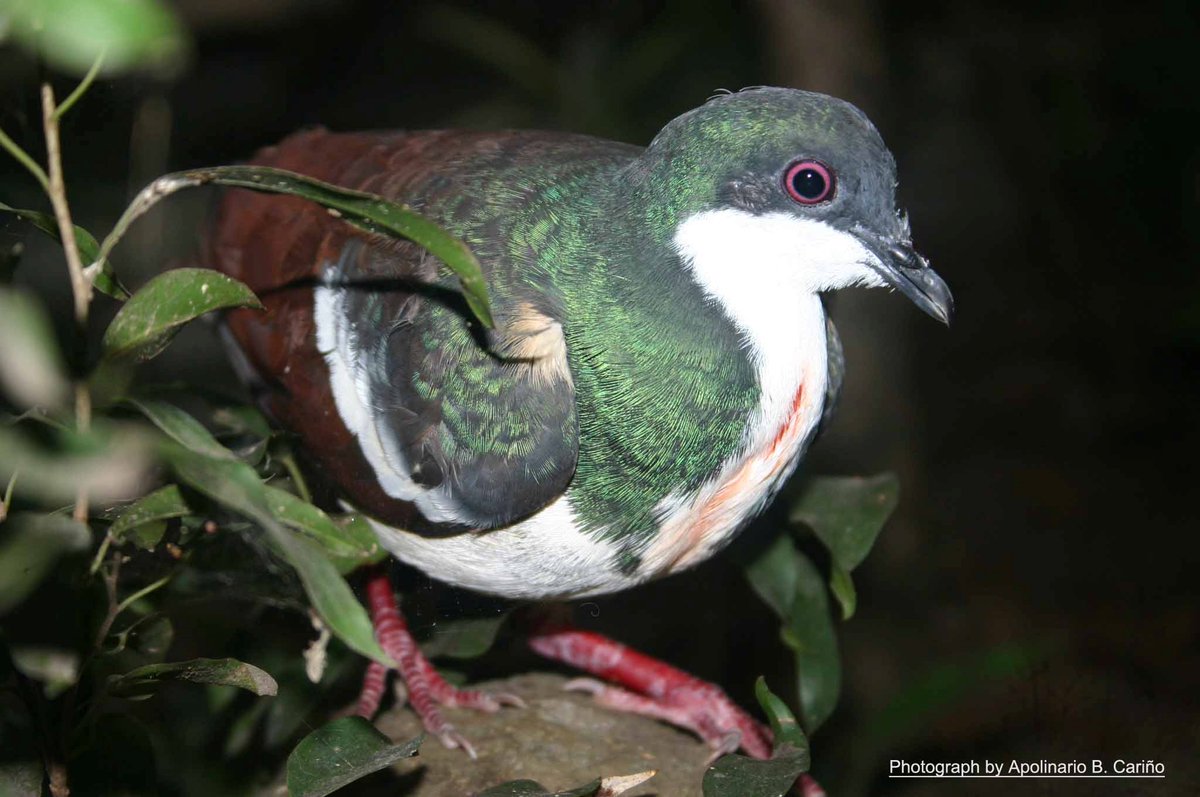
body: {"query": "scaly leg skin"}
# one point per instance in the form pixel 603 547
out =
pixel 427 690
pixel 656 689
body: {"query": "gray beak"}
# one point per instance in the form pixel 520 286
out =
pixel 908 272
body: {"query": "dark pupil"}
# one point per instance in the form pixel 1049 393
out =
pixel 808 183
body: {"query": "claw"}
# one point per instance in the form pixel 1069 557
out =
pixel 452 739
pixel 481 701
pixel 589 685
pixel 506 699
pixel 728 743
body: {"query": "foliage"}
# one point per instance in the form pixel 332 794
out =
pixel 340 753
pixel 146 476
pixel 72 35
pixel 846 514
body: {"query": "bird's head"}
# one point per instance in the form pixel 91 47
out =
pixel 799 189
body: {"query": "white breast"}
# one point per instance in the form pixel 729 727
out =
pixel 765 272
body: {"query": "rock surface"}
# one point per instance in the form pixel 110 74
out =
pixel 561 740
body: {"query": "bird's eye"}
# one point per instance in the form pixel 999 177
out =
pixel 809 182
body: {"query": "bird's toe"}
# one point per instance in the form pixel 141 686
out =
pixel 453 740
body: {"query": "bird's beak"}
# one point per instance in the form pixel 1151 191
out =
pixel 908 272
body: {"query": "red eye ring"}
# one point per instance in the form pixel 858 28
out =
pixel 809 182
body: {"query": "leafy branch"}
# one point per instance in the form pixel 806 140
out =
pixel 104 457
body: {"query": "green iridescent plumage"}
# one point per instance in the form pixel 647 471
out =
pixel 662 387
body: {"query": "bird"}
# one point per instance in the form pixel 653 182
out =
pixel 661 357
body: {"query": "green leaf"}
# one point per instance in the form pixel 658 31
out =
pixel 30 544
pixel 783 724
pixel 358 532
pixel 340 753
pixel 162 504
pixel 841 584
pixel 181 427
pixel 221 672
pixel 72 34
pixel 739 776
pixel 847 513
pixel 147 536
pixel 242 420
pixel 89 249
pixel 463 639
pixel 235 485
pixel 531 788
pixel 107 283
pixel 147 322
pixel 31 370
pixel 789 583
pixel 330 595
pixel 365 211
pixel 347 550
pixel 149 637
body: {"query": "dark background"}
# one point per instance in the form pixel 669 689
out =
pixel 1050 162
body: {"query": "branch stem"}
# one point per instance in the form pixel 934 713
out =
pixel 141 593
pixel 8 495
pixel 80 90
pixel 81 287
pixel 23 158
pixel 81 283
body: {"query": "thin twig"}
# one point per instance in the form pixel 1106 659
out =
pixel 100 553
pixel 110 588
pixel 111 579
pixel 23 158
pixel 57 190
pixel 81 284
pixel 83 422
pixel 141 593
pixel 8 494
pixel 80 90
pixel 293 469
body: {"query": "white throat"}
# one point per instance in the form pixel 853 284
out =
pixel 750 263
pixel 766 274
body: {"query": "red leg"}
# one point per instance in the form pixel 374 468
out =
pixel 427 690
pixel 810 788
pixel 371 695
pixel 655 688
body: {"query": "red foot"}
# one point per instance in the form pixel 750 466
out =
pixel 655 689
pixel 809 787
pixel 427 691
